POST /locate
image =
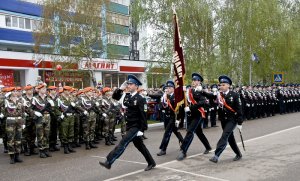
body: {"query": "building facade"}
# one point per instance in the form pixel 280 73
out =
pixel 19 65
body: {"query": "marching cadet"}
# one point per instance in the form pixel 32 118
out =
pixel 198 100
pixel 170 115
pixel 230 114
pixel 29 132
pixel 41 108
pixel 54 114
pixel 66 104
pixel 14 112
pixel 135 116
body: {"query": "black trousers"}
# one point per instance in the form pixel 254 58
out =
pixel 167 135
pixel 138 143
pixel 194 127
pixel 227 136
pixel 213 116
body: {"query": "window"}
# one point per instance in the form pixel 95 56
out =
pixel 27 24
pixel 21 23
pixel 35 24
pixel 8 21
pixel 14 21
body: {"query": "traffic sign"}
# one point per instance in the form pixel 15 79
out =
pixel 278 77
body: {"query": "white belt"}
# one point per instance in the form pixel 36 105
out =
pixel 14 118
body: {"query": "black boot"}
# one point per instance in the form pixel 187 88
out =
pixel 12 158
pixel 42 154
pixel 105 164
pixel 17 158
pixel 27 150
pixel 51 148
pixel 47 153
pixel 107 142
pixel 71 150
pixel 32 151
pixel 5 146
pixel 87 145
pixel 66 150
pixel 92 145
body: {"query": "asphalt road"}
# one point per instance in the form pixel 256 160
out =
pixel 272 153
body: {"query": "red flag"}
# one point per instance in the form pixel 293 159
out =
pixel 178 65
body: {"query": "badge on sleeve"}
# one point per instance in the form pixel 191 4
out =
pixel 145 107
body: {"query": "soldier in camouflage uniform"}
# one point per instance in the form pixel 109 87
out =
pixel 41 106
pixel 76 122
pixel 3 134
pixel 29 132
pixel 109 111
pixel 66 103
pixel 54 114
pixel 87 107
pixel 13 111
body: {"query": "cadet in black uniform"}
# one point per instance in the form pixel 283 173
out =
pixel 135 116
pixel 198 99
pixel 230 114
pixel 170 116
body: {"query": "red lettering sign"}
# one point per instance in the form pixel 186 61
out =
pixel 7 77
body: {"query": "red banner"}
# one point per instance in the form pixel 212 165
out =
pixel 179 67
pixel 7 77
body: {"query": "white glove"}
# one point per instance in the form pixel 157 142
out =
pixel 184 88
pixel 1 116
pixel 97 104
pixel 198 88
pixel 177 123
pixel 124 85
pixel 85 113
pixel 73 104
pixel 187 109
pixel 51 102
pixel 38 114
pixel 239 127
pixel 139 133
pixel 104 115
pixel 62 116
pixel 25 114
pixel 23 126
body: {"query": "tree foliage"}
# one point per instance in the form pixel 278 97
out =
pixel 220 36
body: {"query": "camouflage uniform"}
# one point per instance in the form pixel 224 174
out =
pixel 86 104
pixel 42 106
pixel 54 124
pixel 3 134
pixel 109 111
pixel 29 132
pixel 67 107
pixel 13 111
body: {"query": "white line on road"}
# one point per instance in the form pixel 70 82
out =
pixel 195 155
pixel 123 160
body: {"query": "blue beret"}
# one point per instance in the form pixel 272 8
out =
pixel 196 76
pixel 170 84
pixel 225 79
pixel 133 80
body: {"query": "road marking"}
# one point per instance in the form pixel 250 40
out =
pixel 195 155
pixel 122 160
pixel 195 174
